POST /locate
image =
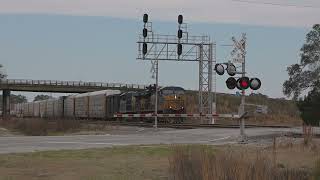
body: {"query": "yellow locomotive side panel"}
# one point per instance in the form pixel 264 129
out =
pixel 174 103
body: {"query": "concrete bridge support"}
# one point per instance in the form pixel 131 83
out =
pixel 6 104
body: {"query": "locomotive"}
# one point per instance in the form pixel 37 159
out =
pixel 105 104
pixel 171 100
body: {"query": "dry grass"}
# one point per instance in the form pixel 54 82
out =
pixel 280 111
pixel 316 171
pixel 40 127
pixel 187 162
pixel 118 163
pixel 307 134
pixel 202 163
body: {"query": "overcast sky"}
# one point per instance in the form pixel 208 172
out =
pixel 94 40
pixel 258 12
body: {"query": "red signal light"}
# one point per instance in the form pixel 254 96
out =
pixel 243 83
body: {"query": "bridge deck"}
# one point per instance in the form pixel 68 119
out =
pixel 63 86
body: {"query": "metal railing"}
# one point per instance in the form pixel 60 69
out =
pixel 159 38
pixel 69 83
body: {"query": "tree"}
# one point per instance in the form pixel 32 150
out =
pixel 309 107
pixel 2 73
pixel 42 97
pixel 306 77
pixel 15 99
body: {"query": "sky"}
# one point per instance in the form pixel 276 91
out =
pixel 95 40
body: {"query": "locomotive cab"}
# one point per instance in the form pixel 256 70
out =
pixel 172 100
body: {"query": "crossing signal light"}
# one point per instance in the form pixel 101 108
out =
pixel 180 19
pixel 145 32
pixel 179 33
pixel 144 48
pixel 255 83
pixel 231 69
pixel 179 49
pixel 219 69
pixel 145 18
pixel 231 83
pixel 243 83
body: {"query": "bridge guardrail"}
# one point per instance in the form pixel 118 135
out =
pixel 69 83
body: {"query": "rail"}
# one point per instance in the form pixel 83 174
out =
pixel 69 83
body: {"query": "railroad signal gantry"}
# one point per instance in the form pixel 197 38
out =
pixel 181 47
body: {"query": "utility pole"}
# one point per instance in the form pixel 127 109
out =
pixel 156 96
pixel 243 97
pixel 239 54
pixel 243 92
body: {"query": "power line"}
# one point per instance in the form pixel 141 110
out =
pixel 276 4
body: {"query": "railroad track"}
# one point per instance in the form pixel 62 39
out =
pixel 180 126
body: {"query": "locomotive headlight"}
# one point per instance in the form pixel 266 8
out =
pixel 175 96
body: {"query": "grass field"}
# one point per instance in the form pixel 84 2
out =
pixel 146 162
pixel 110 163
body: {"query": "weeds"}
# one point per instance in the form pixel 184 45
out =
pixel 40 127
pixel 202 163
pixel 307 134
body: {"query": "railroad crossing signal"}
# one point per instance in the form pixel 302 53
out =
pixel 255 83
pixel 231 83
pixel 241 83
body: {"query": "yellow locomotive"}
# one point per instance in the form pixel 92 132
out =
pixel 171 100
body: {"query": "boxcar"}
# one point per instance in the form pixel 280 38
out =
pixel 36 109
pixel 43 108
pixel 93 104
pixel 98 103
pixel 69 105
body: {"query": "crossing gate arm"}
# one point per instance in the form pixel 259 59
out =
pixel 176 115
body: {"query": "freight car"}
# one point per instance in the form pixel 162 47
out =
pixel 105 104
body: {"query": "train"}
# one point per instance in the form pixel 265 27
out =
pixel 105 104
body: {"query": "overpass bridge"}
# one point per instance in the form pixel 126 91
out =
pixel 8 85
